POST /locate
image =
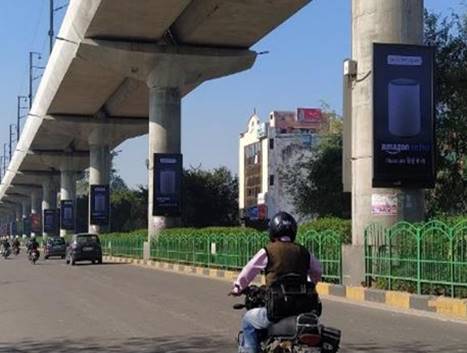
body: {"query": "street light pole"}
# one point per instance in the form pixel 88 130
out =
pixel 51 31
pixel 31 73
pixel 19 108
pixel 11 139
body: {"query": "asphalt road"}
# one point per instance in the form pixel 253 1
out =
pixel 52 307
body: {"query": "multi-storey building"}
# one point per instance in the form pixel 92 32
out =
pixel 267 150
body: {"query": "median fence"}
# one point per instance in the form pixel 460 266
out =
pixel 429 258
pixel 228 250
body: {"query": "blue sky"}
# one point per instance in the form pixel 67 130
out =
pixel 303 68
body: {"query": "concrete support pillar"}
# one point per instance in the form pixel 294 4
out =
pixel 26 209
pixel 18 218
pixel 49 198
pixel 164 137
pixel 383 21
pixel 99 171
pixel 395 21
pixel 35 206
pixel 68 193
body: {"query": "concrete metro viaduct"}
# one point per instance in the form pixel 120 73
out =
pixel 119 69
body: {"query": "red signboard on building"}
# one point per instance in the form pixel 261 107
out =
pixel 309 115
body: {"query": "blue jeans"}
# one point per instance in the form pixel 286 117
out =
pixel 254 319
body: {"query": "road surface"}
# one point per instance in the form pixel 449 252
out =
pixel 116 308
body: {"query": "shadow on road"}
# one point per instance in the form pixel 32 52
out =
pixel 133 345
pixel 412 347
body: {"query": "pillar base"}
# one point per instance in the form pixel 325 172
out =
pixel 353 265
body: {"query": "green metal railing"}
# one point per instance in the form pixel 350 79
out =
pixel 232 251
pixel 428 258
pixel 124 247
pixel 224 249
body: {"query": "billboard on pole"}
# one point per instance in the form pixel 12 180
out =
pixel 100 205
pixel 168 174
pixel 403 116
pixel 67 215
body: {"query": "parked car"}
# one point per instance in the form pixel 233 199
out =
pixel 84 247
pixel 55 247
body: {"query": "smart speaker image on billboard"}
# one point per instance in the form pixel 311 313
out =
pixel 403 121
pixel 67 215
pixel 100 205
pixel 168 173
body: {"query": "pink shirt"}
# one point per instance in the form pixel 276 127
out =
pixel 259 262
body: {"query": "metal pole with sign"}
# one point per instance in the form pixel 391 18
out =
pixel 168 174
pixel 100 205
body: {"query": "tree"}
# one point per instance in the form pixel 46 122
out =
pixel 129 209
pixel 449 37
pixel 210 198
pixel 315 183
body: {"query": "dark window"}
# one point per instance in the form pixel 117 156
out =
pixel 271 144
pixel 271 180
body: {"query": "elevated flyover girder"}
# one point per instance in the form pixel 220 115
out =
pixel 109 54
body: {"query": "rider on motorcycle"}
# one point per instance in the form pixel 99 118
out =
pixel 280 257
pixel 16 243
pixel 5 243
pixel 32 244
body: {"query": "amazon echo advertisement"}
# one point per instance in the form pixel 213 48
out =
pixel 100 205
pixel 168 174
pixel 403 116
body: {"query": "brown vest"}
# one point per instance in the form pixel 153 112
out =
pixel 284 258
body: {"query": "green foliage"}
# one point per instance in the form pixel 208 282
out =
pixel 449 37
pixel 315 183
pixel 210 198
pixel 338 225
pixel 129 209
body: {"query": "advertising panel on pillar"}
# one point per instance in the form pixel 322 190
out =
pixel 67 215
pixel 100 205
pixel 27 226
pixel 168 174
pixel 404 116
pixel 51 221
pixel 36 225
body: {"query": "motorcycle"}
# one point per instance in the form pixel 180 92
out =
pixel 300 333
pixel 34 256
pixel 6 253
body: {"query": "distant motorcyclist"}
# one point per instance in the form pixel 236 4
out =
pixel 280 257
pixel 16 244
pixel 5 243
pixel 5 247
pixel 32 244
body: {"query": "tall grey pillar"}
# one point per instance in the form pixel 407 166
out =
pixel 68 193
pixel 99 171
pixel 395 21
pixel 49 198
pixel 381 21
pixel 35 206
pixel 26 209
pixel 164 137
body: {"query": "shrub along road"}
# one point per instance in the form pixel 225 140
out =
pixel 120 308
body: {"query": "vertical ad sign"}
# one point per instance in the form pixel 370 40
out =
pixel 168 174
pixel 100 205
pixel 36 225
pixel 50 221
pixel 67 215
pixel 403 116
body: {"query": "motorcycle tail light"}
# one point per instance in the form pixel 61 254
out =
pixel 311 340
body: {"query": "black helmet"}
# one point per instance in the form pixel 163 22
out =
pixel 282 225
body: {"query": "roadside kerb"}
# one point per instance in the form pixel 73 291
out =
pixel 453 308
